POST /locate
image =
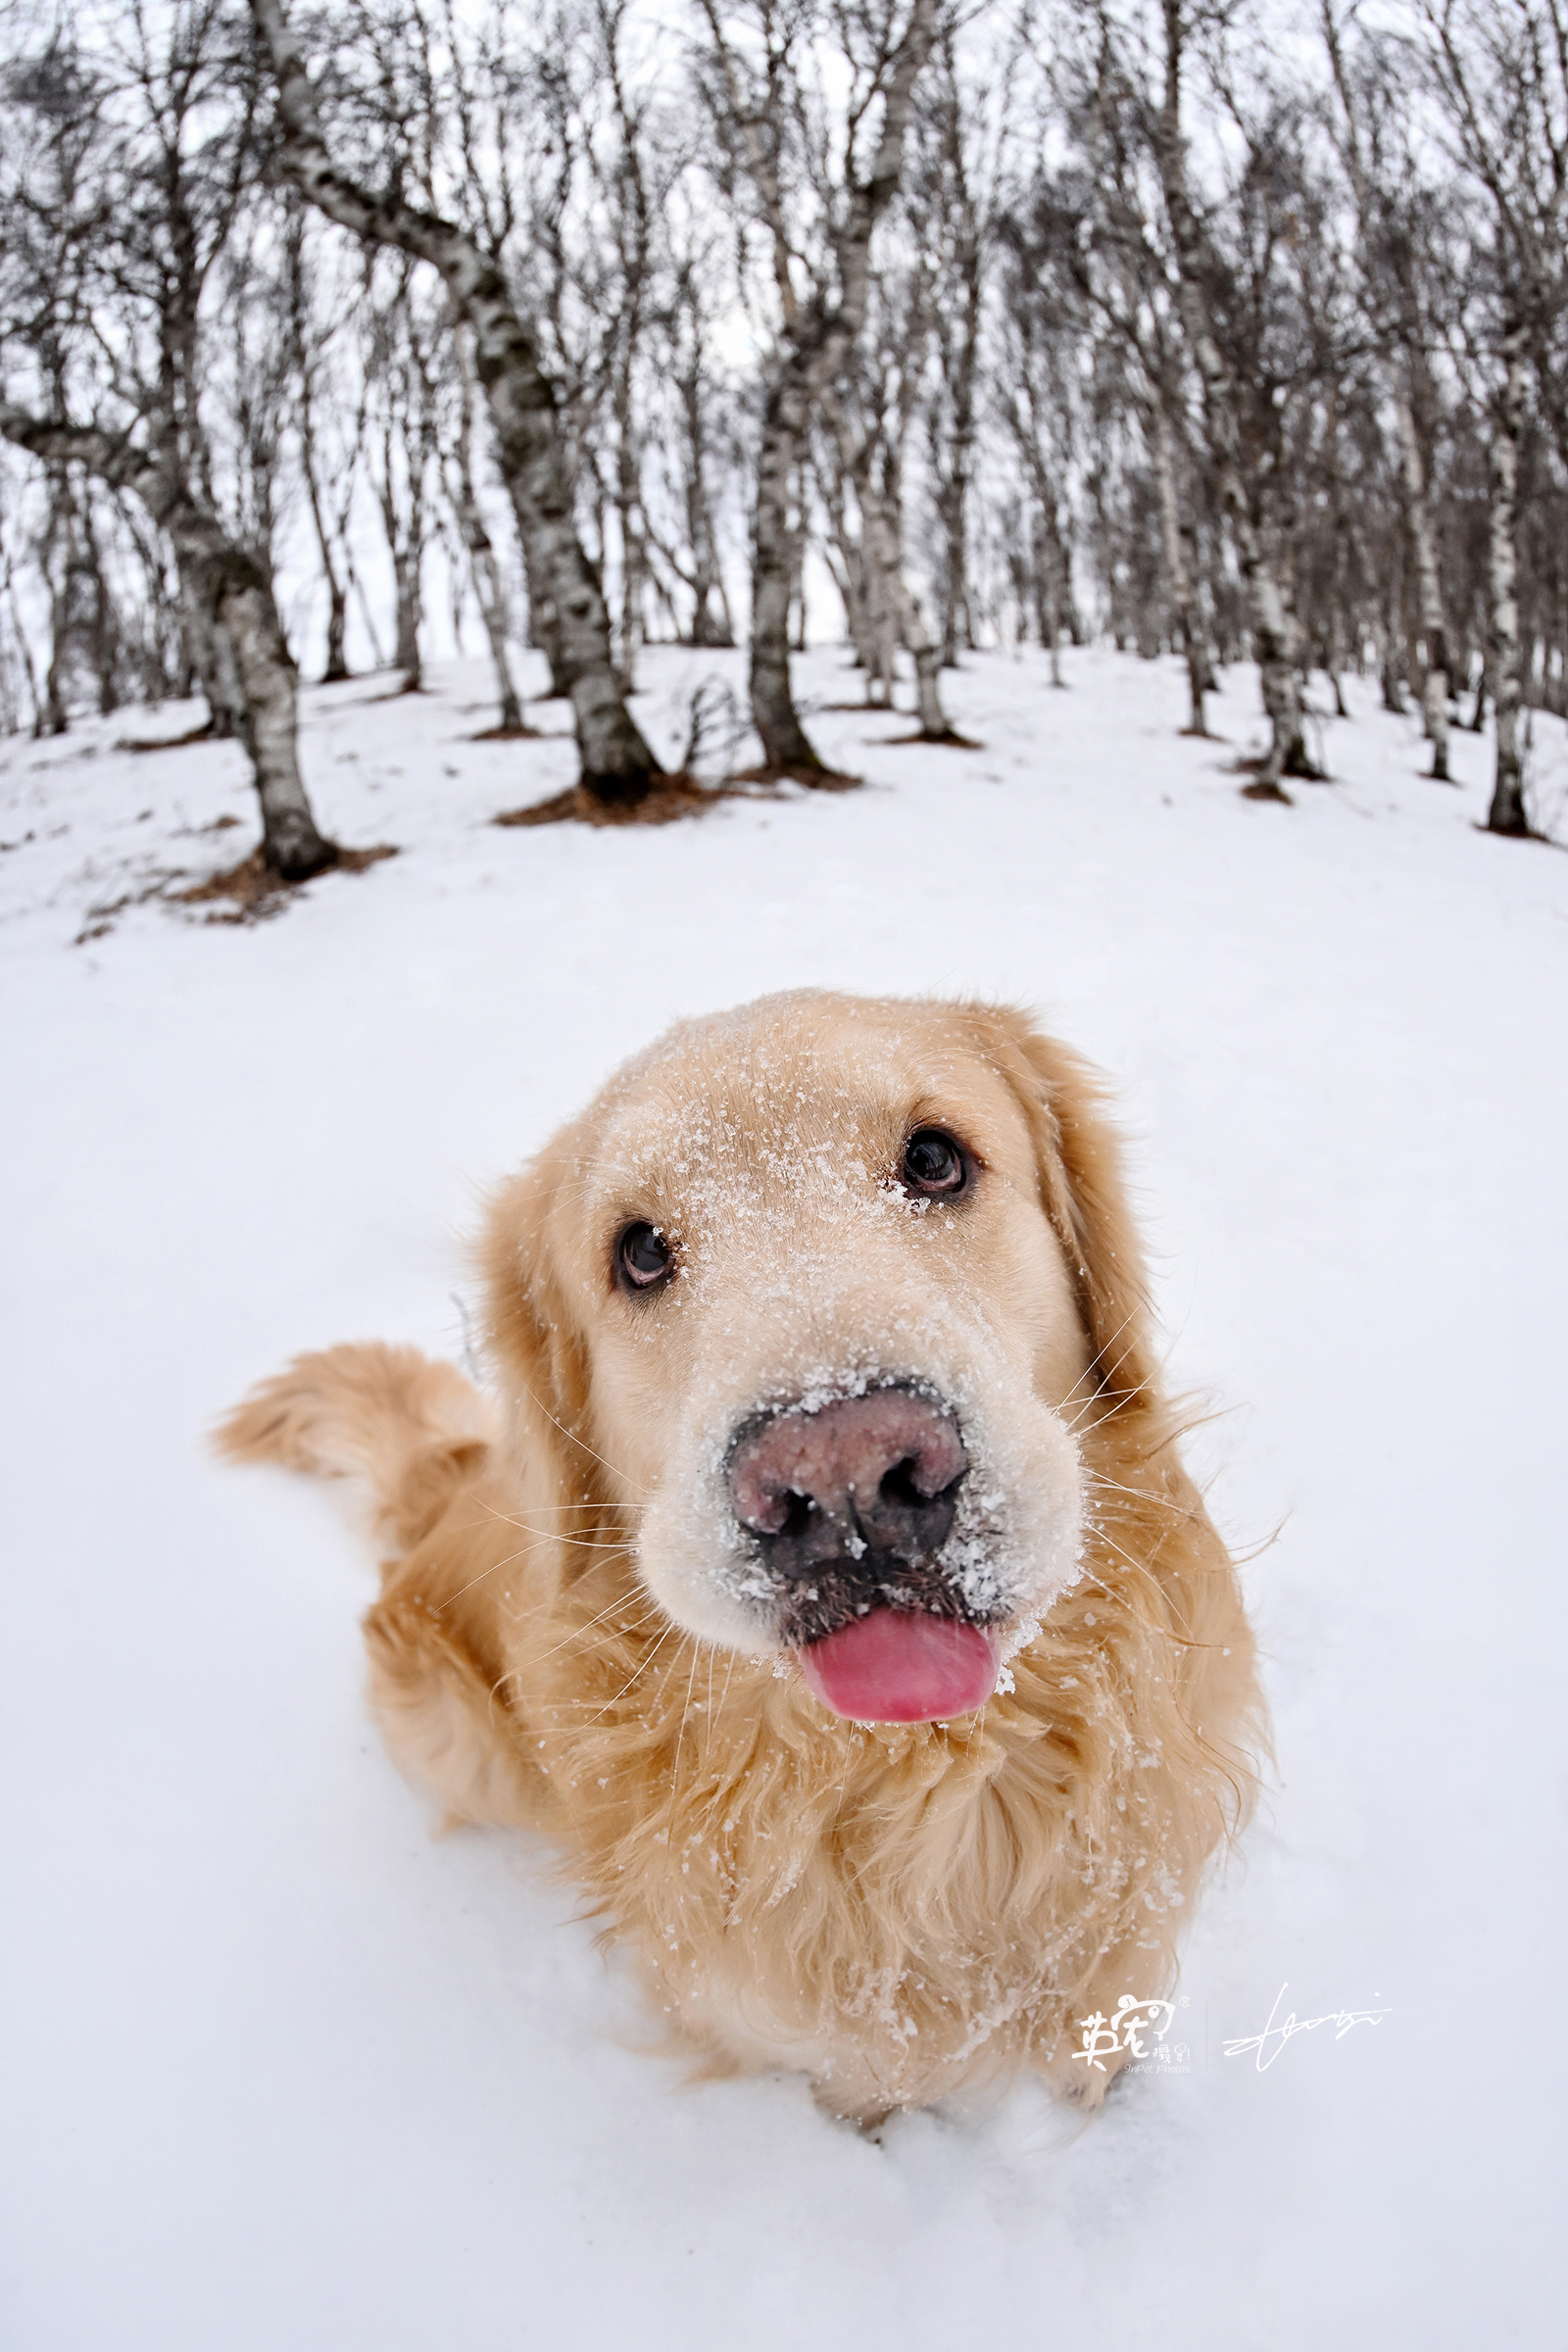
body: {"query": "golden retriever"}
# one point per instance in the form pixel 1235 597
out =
pixel 822 1574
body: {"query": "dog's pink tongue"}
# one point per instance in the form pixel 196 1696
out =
pixel 897 1666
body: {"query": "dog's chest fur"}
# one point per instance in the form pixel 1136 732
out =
pixel 897 1910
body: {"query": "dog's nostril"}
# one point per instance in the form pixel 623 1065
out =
pixel 798 1510
pixel 904 1487
pixel 899 1485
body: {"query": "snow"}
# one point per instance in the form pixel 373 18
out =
pixel 285 2068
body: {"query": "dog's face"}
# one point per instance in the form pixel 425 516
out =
pixel 812 1285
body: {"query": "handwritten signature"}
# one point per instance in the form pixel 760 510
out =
pixel 1275 2034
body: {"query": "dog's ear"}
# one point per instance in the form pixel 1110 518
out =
pixel 1078 1158
pixel 535 1341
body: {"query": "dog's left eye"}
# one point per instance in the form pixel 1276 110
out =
pixel 643 1257
pixel 934 1165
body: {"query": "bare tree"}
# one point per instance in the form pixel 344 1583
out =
pixel 84 626
pixel 240 596
pixel 616 764
pixel 1502 78
pixel 165 162
pixel 866 429
pixel 329 480
pixel 21 698
pixel 1125 273
pixel 464 498
pixel 867 460
pixel 683 327
pixel 773 137
pixel 401 333
pixel 631 206
pixel 1239 409
pixel 1033 389
pixel 953 215
pixel 1391 252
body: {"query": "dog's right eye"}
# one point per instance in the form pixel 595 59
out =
pixel 643 1257
pixel 934 1166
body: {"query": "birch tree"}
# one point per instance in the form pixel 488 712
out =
pixel 1241 421
pixel 464 498
pixel 953 216
pixel 403 331
pixel 1389 247
pixel 1502 78
pixel 322 405
pixel 817 190
pixel 1088 260
pixel 168 164
pixel 698 450
pixel 618 767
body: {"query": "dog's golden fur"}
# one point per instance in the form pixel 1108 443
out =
pixel 900 1910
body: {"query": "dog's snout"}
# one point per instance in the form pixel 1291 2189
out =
pixel 876 1474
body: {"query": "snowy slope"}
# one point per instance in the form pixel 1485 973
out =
pixel 281 2067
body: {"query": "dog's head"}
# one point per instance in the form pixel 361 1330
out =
pixel 816 1296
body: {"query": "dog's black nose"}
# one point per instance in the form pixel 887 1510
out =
pixel 872 1477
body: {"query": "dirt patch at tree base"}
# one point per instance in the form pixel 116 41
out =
pixel 1545 841
pixel 205 733
pixel 1253 763
pixel 814 779
pixel 857 709
pixel 950 741
pixel 669 799
pixel 252 891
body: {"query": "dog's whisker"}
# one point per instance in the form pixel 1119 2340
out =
pixel 1145 1494
pixel 1140 1573
pixel 524 1551
pixel 474 1580
pixel 680 1733
pixel 578 1633
pixel 517 1519
pixel 541 1538
pixel 721 1787
pixel 582 1444
pixel 543 1509
pixel 642 1669
pixel 545 1536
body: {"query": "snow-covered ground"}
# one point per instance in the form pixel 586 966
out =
pixel 283 2068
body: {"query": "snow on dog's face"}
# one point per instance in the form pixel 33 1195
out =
pixel 811 1287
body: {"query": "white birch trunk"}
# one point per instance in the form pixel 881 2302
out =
pixel 1507 812
pixel 1176 568
pixel 1428 584
pixel 813 349
pixel 564 587
pixel 231 591
pixel 481 554
pixel 1272 622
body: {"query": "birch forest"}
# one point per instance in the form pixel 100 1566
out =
pixel 1224 331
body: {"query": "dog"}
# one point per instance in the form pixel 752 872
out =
pixel 822 1572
